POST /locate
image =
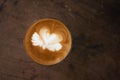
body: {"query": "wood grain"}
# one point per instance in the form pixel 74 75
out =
pixel 95 30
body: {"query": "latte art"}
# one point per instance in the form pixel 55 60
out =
pixel 46 40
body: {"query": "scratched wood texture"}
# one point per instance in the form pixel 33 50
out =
pixel 95 30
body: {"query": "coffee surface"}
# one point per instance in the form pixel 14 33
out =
pixel 43 54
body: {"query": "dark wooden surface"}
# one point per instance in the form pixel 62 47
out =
pixel 95 30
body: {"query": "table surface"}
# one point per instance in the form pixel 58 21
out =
pixel 95 30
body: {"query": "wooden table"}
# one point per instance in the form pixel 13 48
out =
pixel 95 30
